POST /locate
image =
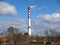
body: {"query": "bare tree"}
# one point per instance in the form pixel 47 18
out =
pixel 51 35
pixel 12 32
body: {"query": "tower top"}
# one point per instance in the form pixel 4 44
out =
pixel 29 8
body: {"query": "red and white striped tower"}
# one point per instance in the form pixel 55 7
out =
pixel 29 21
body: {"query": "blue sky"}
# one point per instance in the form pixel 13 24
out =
pixel 40 14
pixel 50 6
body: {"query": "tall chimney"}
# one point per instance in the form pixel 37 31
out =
pixel 29 21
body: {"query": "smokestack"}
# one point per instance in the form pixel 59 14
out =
pixel 29 21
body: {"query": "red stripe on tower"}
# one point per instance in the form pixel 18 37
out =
pixel 28 16
pixel 29 27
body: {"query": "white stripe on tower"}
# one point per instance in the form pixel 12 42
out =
pixel 29 21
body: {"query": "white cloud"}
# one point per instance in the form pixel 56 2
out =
pixel 41 8
pixel 6 8
pixel 33 6
pixel 39 24
pixel 55 17
pixel 16 23
pixel 46 22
